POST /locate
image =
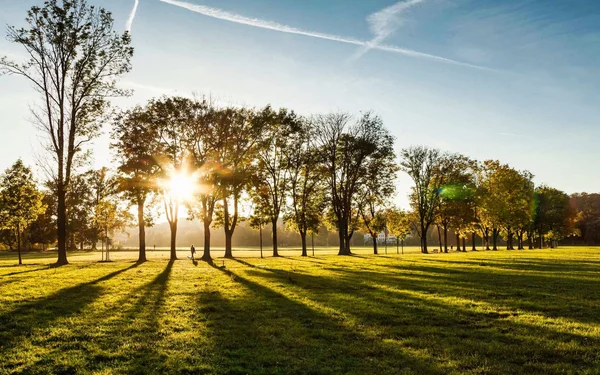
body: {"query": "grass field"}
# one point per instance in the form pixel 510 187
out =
pixel 511 312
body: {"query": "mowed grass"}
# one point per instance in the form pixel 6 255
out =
pixel 511 312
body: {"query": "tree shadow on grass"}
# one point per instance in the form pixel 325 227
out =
pixel 19 325
pixel 264 331
pixel 470 338
pixel 127 342
pixel 557 265
pixel 550 295
pixel 138 328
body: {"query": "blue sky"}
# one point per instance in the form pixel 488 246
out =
pixel 510 80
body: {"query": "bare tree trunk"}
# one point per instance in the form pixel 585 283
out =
pixel 142 231
pixel 173 226
pixel 439 237
pixel 374 237
pixel 445 238
pixel 473 246
pixel 228 244
pixel 19 244
pixel 495 233
pixel 424 239
pixel 457 241
pixel 61 219
pixel 303 238
pixel 344 242
pixel 260 240
pixel 206 256
pixel 275 250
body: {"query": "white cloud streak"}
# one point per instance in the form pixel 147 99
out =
pixel 385 23
pixel 274 26
pixel 131 18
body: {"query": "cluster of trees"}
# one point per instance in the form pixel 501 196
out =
pixel 28 212
pixel 333 168
pixel 487 199
pixel 280 164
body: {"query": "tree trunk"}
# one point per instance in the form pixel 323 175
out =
pixel 260 241
pixel 173 226
pixel 61 221
pixel 303 238
pixel 206 256
pixel 343 233
pixel 228 244
pixel 464 243
pixel 440 237
pixel 19 244
pixel 457 241
pixel 424 239
pixel 275 250
pixel 473 247
pixel 495 238
pixel 445 238
pixel 509 240
pixel 374 237
pixel 142 231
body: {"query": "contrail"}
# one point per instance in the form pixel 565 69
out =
pixel 269 25
pixel 384 23
pixel 132 16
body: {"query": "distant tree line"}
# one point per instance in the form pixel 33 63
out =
pixel 214 161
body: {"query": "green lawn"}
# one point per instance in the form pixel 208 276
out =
pixel 513 312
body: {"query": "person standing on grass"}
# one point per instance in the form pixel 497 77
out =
pixel 193 251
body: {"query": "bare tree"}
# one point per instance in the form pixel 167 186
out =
pixel 73 61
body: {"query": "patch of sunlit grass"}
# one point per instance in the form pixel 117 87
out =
pixel 517 312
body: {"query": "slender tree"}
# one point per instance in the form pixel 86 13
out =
pixel 429 169
pixel 272 172
pixel 135 146
pixel 74 59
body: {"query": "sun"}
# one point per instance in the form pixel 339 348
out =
pixel 182 186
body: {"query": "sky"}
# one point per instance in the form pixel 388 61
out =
pixel 510 80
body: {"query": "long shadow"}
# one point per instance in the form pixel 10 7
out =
pixel 264 331
pixel 530 265
pixel 549 295
pixel 496 341
pixel 130 342
pixel 27 271
pixel 24 320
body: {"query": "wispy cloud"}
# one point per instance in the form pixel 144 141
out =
pixel 129 24
pixel 274 26
pixel 385 23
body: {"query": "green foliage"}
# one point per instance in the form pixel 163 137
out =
pixel 20 200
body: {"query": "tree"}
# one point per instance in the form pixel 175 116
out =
pixel 272 171
pixel 258 221
pixel 203 143
pixel 169 120
pixel 237 136
pixel 74 61
pixel 43 230
pixel 110 217
pixel 398 224
pixel 20 201
pixel 587 208
pixel 456 195
pixel 377 188
pixel 428 168
pixel 554 217
pixel 304 214
pixel 135 146
pixel 345 149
